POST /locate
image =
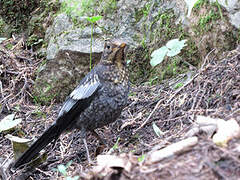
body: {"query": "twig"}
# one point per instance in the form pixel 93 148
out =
pixel 146 121
pixel 187 83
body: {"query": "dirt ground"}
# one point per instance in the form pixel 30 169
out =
pixel 214 90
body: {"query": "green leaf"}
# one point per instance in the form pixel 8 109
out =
pixel 68 164
pixel 158 56
pixel 175 46
pixel 62 169
pixel 178 85
pixel 8 122
pixel 141 158
pixel 2 39
pixel 156 129
pixel 115 146
pixel 94 18
pixel 128 61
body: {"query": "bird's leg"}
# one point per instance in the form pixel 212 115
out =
pixel 102 141
pixel 83 136
pixel 87 151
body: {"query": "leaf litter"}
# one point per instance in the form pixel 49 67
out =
pixel 212 92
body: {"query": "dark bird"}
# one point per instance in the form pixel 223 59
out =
pixel 97 101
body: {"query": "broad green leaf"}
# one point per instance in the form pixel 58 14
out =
pixel 190 5
pixel 175 46
pixel 156 129
pixel 8 122
pixel 158 56
pixel 62 169
pixel 94 18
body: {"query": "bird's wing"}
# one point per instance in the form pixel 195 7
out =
pixel 84 90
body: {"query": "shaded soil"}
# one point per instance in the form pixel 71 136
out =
pixel 212 91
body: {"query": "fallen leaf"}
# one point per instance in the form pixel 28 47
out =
pixel 112 161
pixel 19 145
pixel 8 122
pixel 227 130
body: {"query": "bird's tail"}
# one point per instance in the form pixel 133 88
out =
pixel 48 136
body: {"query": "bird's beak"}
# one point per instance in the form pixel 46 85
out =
pixel 123 45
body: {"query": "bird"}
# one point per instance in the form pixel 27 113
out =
pixel 97 101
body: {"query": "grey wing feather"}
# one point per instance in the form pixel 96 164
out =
pixel 84 90
pixel 69 103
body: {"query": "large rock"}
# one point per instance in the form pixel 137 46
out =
pixel 233 9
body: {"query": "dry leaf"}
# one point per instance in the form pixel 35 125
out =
pixel 227 130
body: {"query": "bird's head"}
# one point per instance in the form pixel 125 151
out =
pixel 114 53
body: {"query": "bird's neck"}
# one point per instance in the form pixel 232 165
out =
pixel 113 73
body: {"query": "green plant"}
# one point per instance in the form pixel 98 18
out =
pixel 199 4
pixel 63 170
pixel 39 114
pixel 178 85
pixel 92 20
pixel 76 8
pixel 115 146
pixel 212 16
pixel 9 46
pixel 141 158
pixel 172 48
pixel 157 131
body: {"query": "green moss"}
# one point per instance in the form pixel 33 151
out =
pixel 158 33
pixel 207 20
pixel 9 46
pixel 40 96
pixel 172 69
pixel 199 4
pixel 204 23
pixel 143 12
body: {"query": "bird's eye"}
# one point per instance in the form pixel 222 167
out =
pixel 108 46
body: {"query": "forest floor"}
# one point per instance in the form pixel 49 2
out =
pixel 156 118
